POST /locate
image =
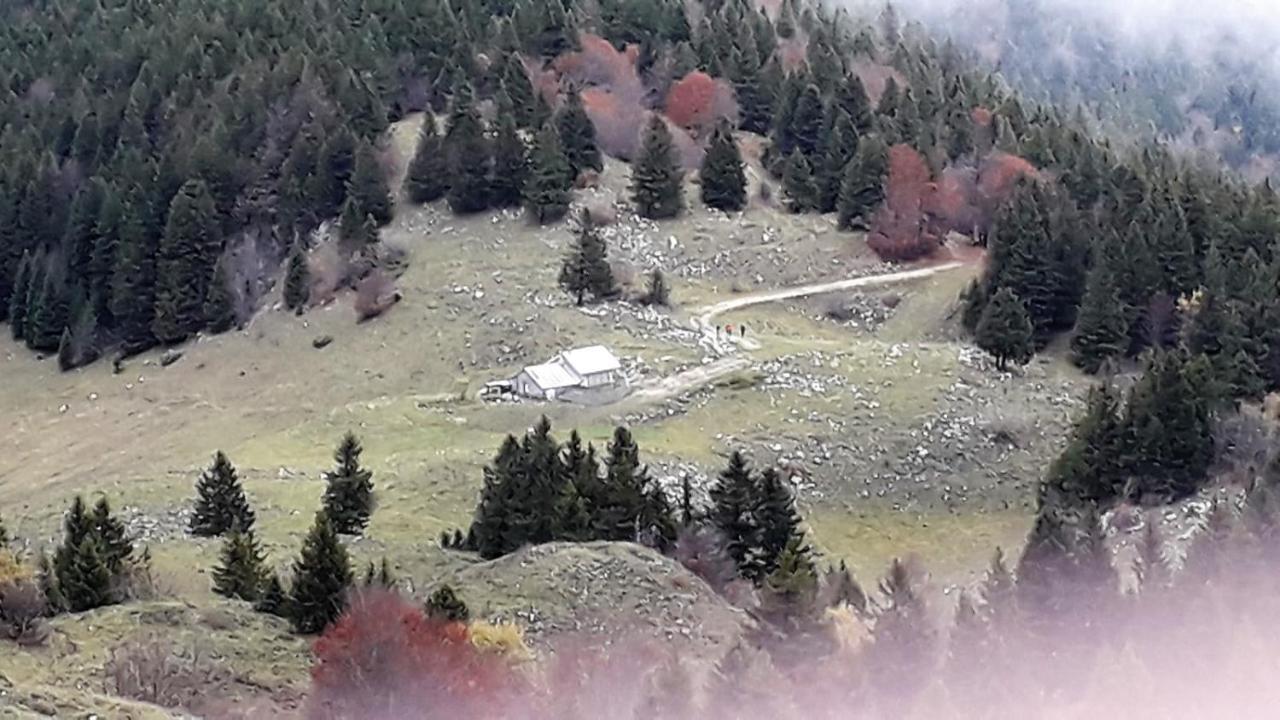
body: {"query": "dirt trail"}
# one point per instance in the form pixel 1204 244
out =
pixel 726 345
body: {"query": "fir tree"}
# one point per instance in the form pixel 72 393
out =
pixel 789 596
pixel 585 270
pixel 183 266
pixel 348 496
pixel 367 188
pixel 18 298
pixel 733 513
pixel 524 101
pixel 469 155
pixel 630 503
pixel 546 191
pixel 219 301
pixel 1169 441
pixel 657 293
pixel 427 179
pixel 220 504
pixel 445 605
pixel 1102 331
pixel 798 184
pixel 510 160
pixel 272 599
pixel 755 102
pixel 321 578
pixel 578 136
pixel 66 352
pixel 48 311
pixel 838 147
pixel 297 279
pixel 114 545
pixel 240 574
pixel 84 580
pixel 778 521
pixel 862 187
pixel 1089 470
pixel 657 182
pixel 82 577
pixel 1005 330
pixel 724 184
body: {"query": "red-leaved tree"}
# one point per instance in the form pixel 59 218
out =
pixel 385 660
pixel 900 229
pixel 698 102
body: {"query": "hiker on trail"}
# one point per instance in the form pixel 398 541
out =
pixel 743 329
pixel 717 332
pixel 729 330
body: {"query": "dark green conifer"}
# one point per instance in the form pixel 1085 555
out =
pixel 321 578
pixel 1005 330
pixel 427 179
pixel 445 605
pixel 862 186
pixel 348 496
pixel 510 159
pixel 524 100
pixel 724 183
pixel 778 521
pixel 84 580
pixel 220 504
pixel 578 136
pixel 184 265
pixel 733 512
pixel 546 191
pixel 1169 441
pixel 114 544
pixel 585 270
pixel 755 101
pixel 133 281
pixel 297 279
pixel 241 573
pixel 272 599
pixel 469 155
pixel 789 594
pixel 798 184
pixel 657 181
pixel 219 301
pixel 367 187
pixel 1102 331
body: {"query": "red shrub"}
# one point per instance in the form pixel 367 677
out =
pixel 385 660
pixel 900 228
pixel 698 102
pixel 998 174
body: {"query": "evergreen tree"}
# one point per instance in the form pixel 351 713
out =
pixel 862 187
pixel 658 293
pixel 469 155
pixel 1102 331
pixel 427 179
pixel 114 545
pixel 505 485
pixel 133 281
pixel 184 264
pixel 733 513
pixel 631 504
pixel 546 191
pixel 851 96
pixel 657 182
pixel 48 311
pixel 1089 470
pixel 510 160
pixel 82 577
pixel 1169 441
pixel 524 101
pixel 18 298
pixel 348 496
pixel 789 596
pixel 272 599
pixel 66 352
pixel 1005 330
pixel 219 301
pixel 221 505
pixel 367 188
pixel 445 605
pixel 755 102
pixel 838 147
pixel 578 136
pixel 240 574
pixel 84 580
pixel 798 184
pixel 585 270
pixel 724 184
pixel 777 519
pixel 321 578
pixel 297 279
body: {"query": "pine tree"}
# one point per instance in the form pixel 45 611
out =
pixel 272 599
pixel 81 577
pixel 755 102
pixel 297 279
pixel 321 578
pixel 724 184
pixel 427 179
pixel 862 187
pixel 789 596
pixel 18 298
pixel 348 497
pixel 630 504
pixel 469 155
pixel 1005 330
pixel 114 544
pixel 219 302
pixel 657 182
pixel 578 136
pixel 1089 470
pixel 510 159
pixel 798 184
pixel 778 521
pixel 66 352
pixel 838 147
pixel 585 270
pixel 48 312
pixel 367 188
pixel 546 191
pixel 221 505
pixel 185 262
pixel 504 485
pixel 1169 442
pixel 657 293
pixel 524 101
pixel 1102 331
pixel 84 581
pixel 241 573
pixel 445 605
pixel 733 513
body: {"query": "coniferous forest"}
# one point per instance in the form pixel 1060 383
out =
pixel 165 168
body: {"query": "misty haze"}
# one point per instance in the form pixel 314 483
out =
pixel 639 359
